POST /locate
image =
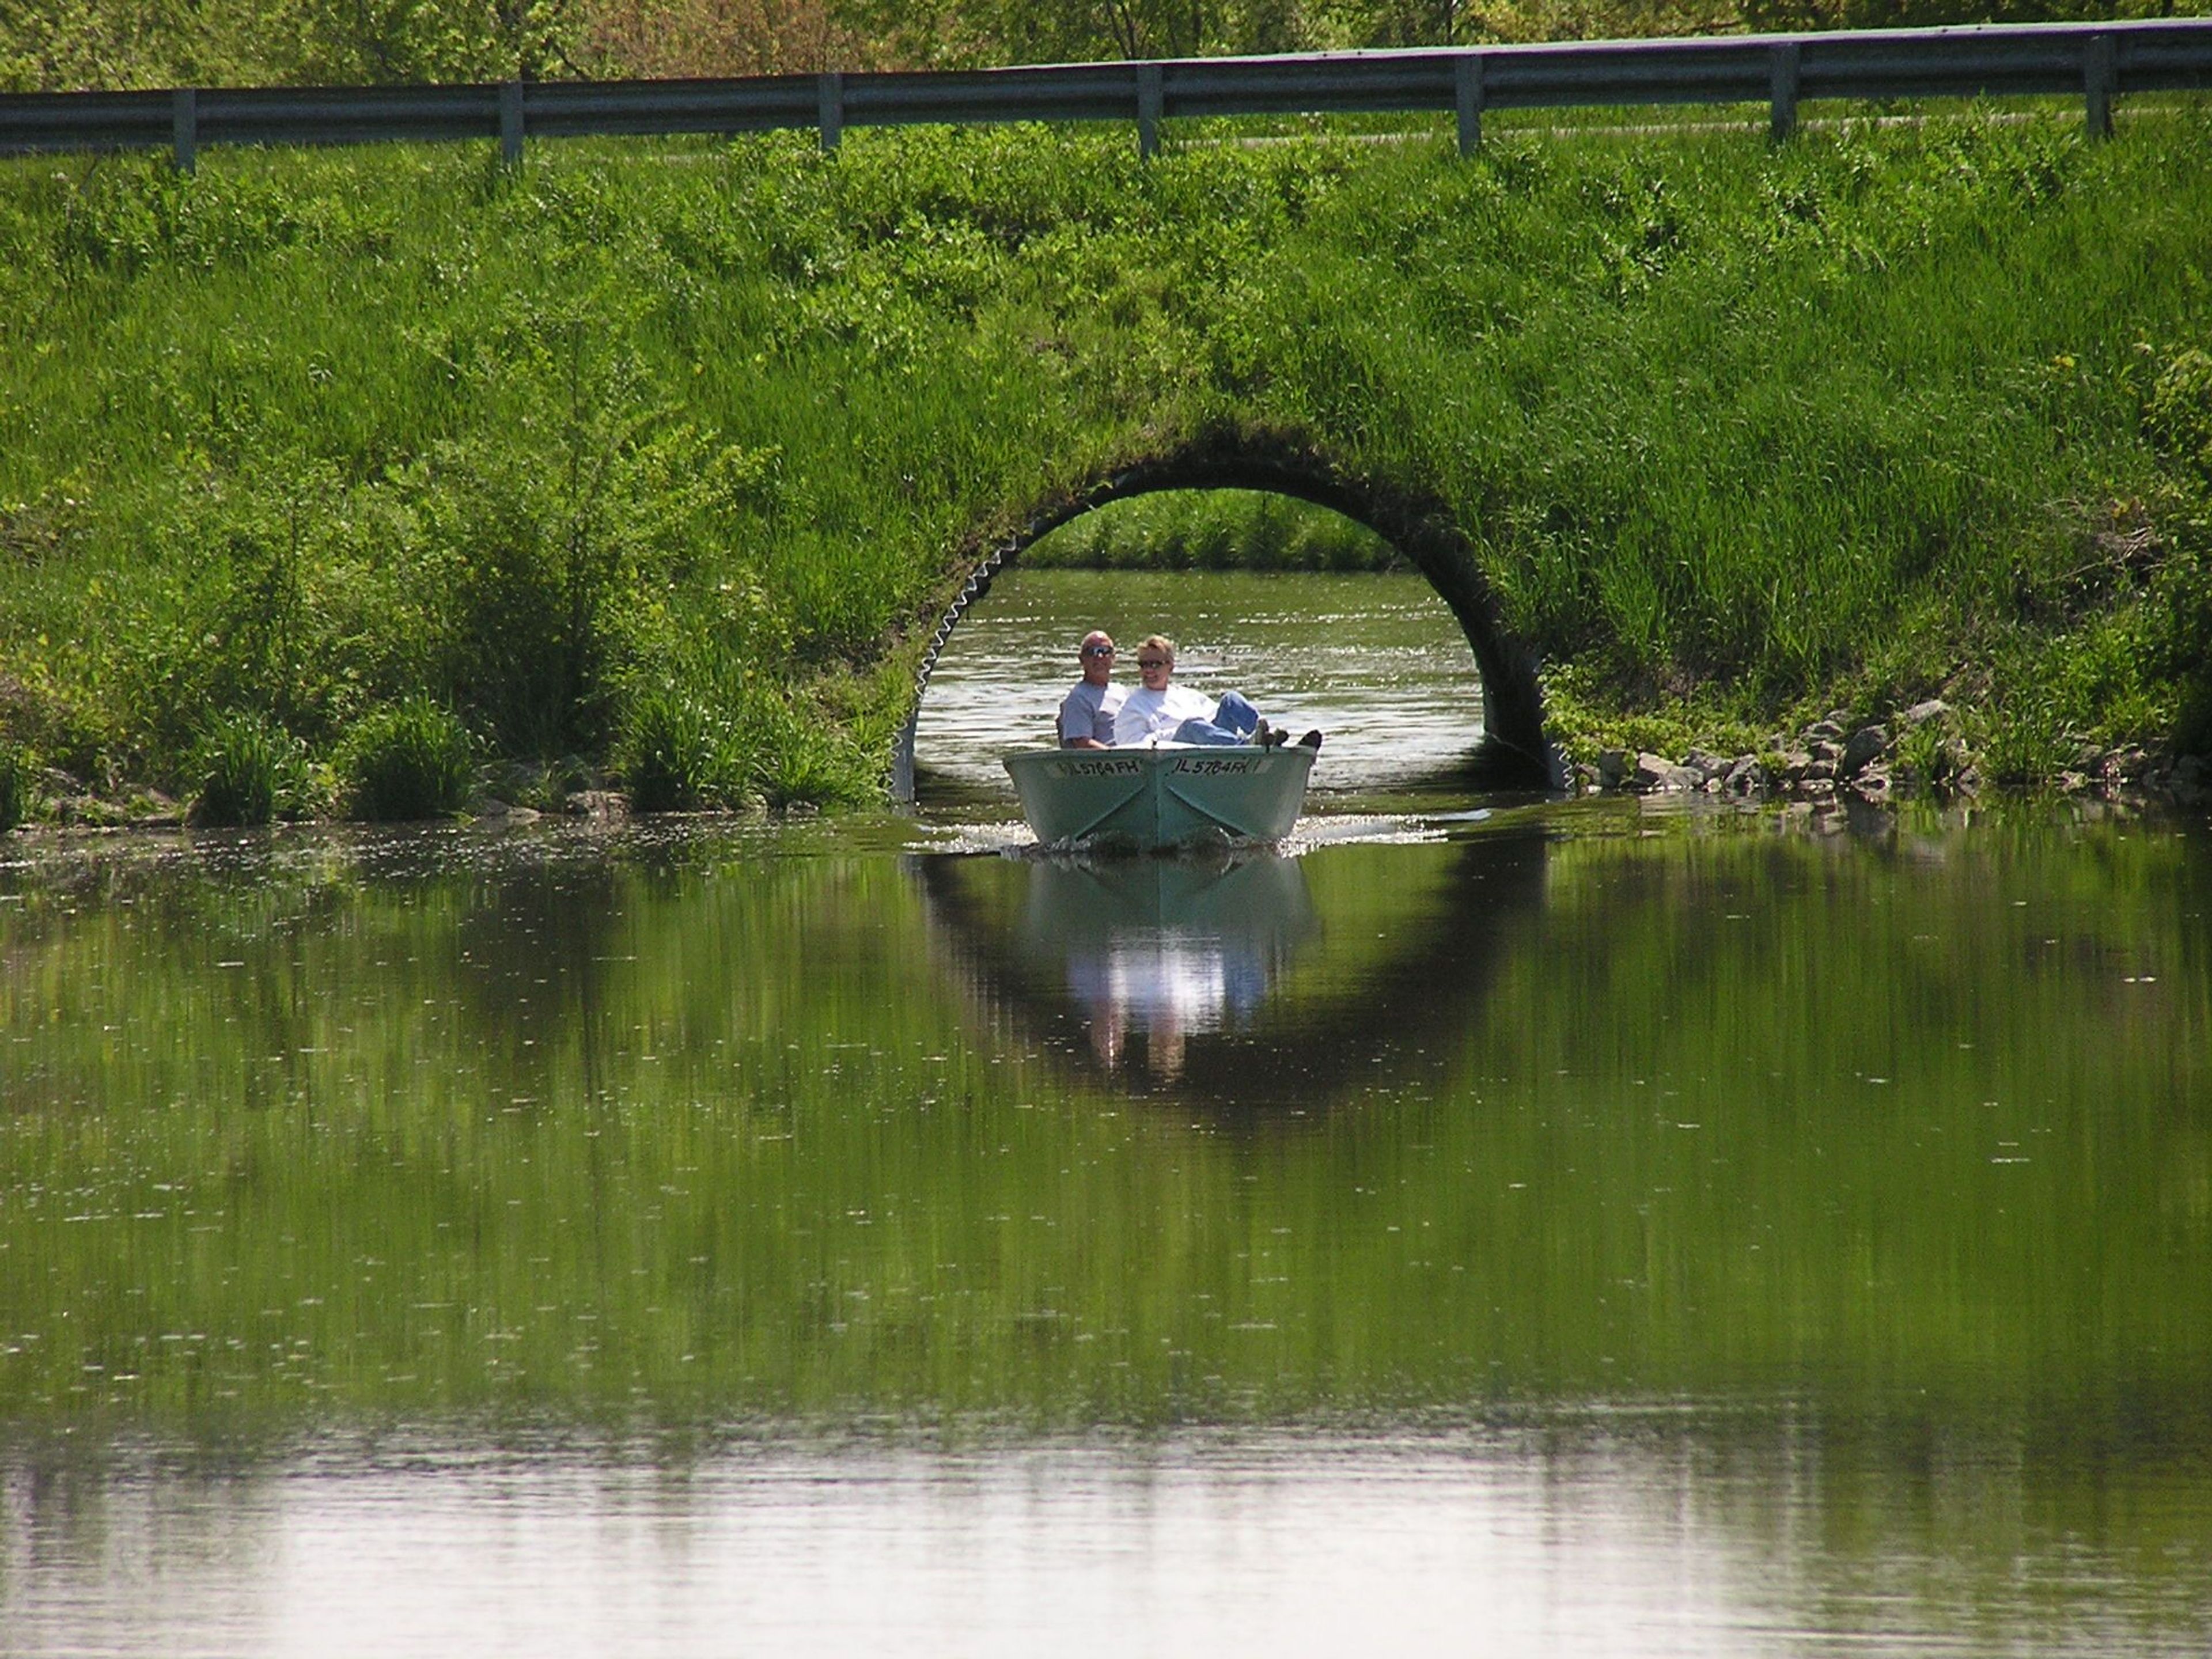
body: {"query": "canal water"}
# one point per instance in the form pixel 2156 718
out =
pixel 1374 662
pixel 1522 1228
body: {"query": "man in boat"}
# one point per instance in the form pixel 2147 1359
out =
pixel 1086 714
pixel 1158 710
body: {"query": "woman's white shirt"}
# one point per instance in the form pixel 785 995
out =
pixel 1146 715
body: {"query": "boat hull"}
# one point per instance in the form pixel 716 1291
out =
pixel 1152 797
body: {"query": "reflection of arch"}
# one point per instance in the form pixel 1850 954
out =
pixel 1419 525
pixel 1306 1051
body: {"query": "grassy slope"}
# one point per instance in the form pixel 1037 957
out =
pixel 665 452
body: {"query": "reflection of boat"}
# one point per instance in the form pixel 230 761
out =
pixel 1150 797
pixel 1249 982
pixel 1158 951
pixel 1154 960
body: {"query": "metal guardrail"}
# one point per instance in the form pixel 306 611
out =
pixel 2098 62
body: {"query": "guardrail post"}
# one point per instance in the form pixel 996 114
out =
pixel 510 122
pixel 1467 94
pixel 184 128
pixel 1150 99
pixel 830 104
pixel 2100 73
pixel 1783 80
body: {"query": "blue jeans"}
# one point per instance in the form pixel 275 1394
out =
pixel 1234 721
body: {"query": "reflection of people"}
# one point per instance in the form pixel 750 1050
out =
pixel 1158 710
pixel 1167 985
pixel 1157 959
pixel 1160 957
pixel 1086 714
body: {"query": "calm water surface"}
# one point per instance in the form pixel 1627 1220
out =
pixel 1584 1228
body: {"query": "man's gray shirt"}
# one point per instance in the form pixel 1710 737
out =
pixel 1088 712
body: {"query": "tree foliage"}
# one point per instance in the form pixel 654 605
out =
pixel 57 45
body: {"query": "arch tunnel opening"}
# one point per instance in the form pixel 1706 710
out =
pixel 1385 626
pixel 1317 619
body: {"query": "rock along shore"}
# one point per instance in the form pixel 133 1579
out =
pixel 1919 747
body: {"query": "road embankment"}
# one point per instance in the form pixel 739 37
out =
pixel 652 465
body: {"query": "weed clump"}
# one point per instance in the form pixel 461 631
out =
pixel 697 742
pixel 246 769
pixel 807 760
pixel 1929 754
pixel 411 760
pixel 17 795
pixel 677 753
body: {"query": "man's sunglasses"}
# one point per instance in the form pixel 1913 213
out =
pixel 1097 650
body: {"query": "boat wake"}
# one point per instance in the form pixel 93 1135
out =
pixel 1012 838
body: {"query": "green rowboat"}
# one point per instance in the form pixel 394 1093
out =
pixel 1166 797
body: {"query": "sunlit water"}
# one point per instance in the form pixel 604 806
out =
pixel 1592 1228
pixel 1612 1541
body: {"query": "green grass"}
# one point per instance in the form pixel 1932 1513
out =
pixel 1213 530
pixel 1736 432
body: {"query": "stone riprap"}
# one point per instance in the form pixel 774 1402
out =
pixel 1916 748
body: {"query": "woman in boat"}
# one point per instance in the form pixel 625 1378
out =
pixel 1160 711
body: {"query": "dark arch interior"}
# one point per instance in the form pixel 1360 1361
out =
pixel 1513 752
pixel 1317 620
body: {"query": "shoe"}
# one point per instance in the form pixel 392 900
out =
pixel 1311 740
pixel 1261 737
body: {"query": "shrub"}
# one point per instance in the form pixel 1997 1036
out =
pixel 246 769
pixel 16 790
pixel 410 760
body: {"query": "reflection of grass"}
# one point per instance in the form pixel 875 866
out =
pixel 713 1138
